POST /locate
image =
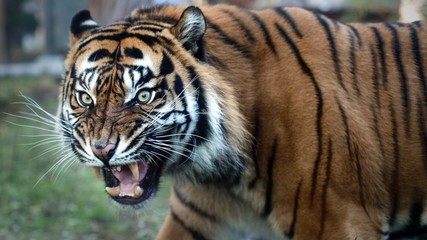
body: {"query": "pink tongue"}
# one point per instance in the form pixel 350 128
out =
pixel 127 182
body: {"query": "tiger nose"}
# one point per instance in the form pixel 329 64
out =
pixel 103 151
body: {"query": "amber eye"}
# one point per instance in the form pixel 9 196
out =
pixel 144 96
pixel 84 99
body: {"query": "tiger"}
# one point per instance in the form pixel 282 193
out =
pixel 278 123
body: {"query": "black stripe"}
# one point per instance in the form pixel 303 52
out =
pixel 418 58
pixel 216 62
pixel 414 227
pixel 136 140
pixel 265 31
pixel 254 151
pixel 166 67
pixel 325 189
pixel 374 114
pixel 356 33
pixel 151 28
pixel 189 204
pixel 375 79
pixel 415 213
pixel 291 232
pixel 229 40
pixel 333 49
pixel 194 233
pixel 422 132
pixel 380 48
pixel 353 63
pixel 119 36
pixel 203 127
pixel 288 18
pixel 179 92
pixel 394 186
pixel 270 179
pixel 133 52
pixel 353 152
pixel 242 26
pixel 99 54
pixel 319 112
pixel 404 87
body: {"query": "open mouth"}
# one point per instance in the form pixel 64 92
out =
pixel 132 183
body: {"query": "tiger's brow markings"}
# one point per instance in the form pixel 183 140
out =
pixel 333 49
pixel 266 33
pixel 404 87
pixel 247 32
pixel 319 112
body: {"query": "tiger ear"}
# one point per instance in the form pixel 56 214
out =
pixel 82 23
pixel 190 29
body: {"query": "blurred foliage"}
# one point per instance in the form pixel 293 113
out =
pixel 68 202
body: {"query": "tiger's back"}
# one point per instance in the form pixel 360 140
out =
pixel 338 115
pixel 335 115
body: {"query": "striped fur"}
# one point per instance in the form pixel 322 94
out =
pixel 274 124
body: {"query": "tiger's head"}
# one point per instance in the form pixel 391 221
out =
pixel 139 101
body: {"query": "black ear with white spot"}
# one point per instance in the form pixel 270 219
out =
pixel 82 23
pixel 190 29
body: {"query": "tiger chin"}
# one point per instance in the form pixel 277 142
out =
pixel 272 124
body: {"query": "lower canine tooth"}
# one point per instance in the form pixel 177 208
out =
pixel 97 172
pixel 138 191
pixel 113 191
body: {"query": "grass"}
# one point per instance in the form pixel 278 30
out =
pixel 68 203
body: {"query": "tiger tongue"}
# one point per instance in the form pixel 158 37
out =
pixel 129 177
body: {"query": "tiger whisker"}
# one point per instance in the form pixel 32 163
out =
pixel 168 150
pixel 54 166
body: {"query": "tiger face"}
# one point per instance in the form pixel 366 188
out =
pixel 137 105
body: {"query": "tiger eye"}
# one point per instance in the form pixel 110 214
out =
pixel 144 96
pixel 84 99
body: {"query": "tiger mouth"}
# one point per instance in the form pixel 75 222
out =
pixel 130 184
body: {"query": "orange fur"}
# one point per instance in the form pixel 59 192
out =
pixel 332 139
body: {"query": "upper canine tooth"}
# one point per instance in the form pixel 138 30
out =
pixel 97 172
pixel 134 169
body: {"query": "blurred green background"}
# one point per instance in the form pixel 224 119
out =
pixel 68 202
